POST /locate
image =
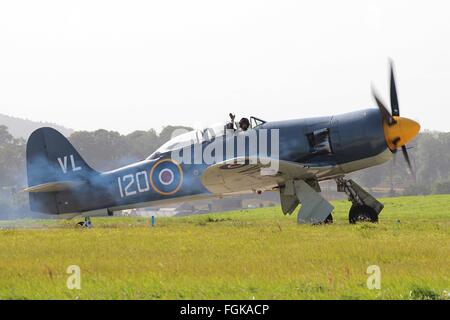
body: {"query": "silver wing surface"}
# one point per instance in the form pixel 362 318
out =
pixel 251 174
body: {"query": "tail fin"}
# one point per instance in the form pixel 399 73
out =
pixel 53 165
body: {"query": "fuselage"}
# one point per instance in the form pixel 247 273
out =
pixel 339 144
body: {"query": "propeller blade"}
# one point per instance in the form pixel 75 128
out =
pixel 408 161
pixel 394 98
pixel 384 111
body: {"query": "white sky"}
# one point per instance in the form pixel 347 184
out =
pixel 127 65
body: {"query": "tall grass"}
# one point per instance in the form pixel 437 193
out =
pixel 255 254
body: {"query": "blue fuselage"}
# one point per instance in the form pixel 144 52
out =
pixel 336 141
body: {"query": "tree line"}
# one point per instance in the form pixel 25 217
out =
pixel 430 157
pixel 102 149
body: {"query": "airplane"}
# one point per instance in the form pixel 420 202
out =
pixel 304 151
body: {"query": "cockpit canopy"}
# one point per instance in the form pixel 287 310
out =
pixel 198 136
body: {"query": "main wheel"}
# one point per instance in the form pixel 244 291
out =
pixel 329 219
pixel 362 213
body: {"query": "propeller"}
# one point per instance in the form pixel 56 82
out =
pixel 398 130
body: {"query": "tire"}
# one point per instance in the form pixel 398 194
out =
pixel 362 213
pixel 329 219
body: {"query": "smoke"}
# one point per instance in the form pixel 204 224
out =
pixel 14 202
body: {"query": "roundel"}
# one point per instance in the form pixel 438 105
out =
pixel 166 177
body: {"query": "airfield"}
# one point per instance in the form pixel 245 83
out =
pixel 253 254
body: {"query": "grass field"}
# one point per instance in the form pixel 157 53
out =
pixel 255 254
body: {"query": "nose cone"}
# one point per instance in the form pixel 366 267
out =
pixel 400 133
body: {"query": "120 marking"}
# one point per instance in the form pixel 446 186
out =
pixel 132 184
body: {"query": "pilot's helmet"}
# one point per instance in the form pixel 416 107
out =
pixel 244 124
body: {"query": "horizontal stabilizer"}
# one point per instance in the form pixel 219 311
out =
pixel 55 186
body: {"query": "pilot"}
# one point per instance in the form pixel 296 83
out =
pixel 230 125
pixel 244 124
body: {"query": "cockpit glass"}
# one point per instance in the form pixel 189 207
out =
pixel 181 141
pixel 213 131
pixel 255 122
pixel 198 136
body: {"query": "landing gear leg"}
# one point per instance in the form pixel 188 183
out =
pixel 364 206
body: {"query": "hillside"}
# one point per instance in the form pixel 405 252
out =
pixel 22 128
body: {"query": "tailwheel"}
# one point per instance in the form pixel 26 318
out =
pixel 362 213
pixel 85 224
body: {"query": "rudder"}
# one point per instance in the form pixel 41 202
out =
pixel 52 158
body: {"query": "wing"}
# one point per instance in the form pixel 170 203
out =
pixel 247 174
